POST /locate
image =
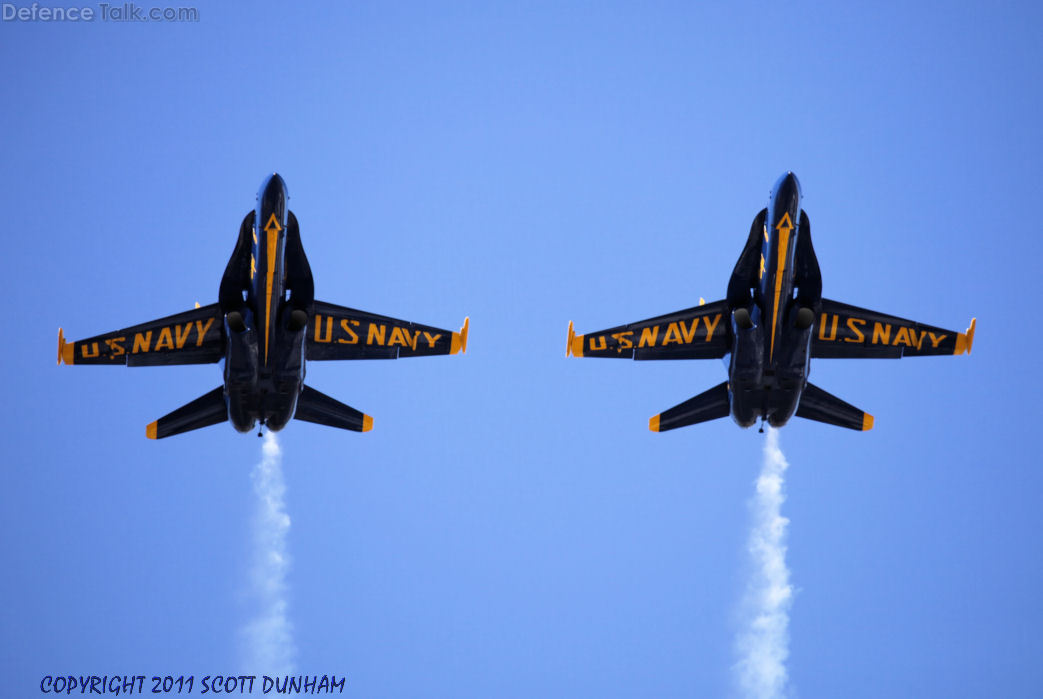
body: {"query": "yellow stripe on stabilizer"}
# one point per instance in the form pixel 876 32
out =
pixel 150 431
pixel 867 422
pixel 653 423
pixel 459 342
pixel 367 423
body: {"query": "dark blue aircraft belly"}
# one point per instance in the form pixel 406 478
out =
pixel 769 362
pixel 264 368
pixel 241 374
pixel 279 394
pixel 257 392
pixel 781 229
pixel 763 386
pixel 267 280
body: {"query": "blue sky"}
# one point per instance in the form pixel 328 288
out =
pixel 510 527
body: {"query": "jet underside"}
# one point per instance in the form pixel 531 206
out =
pixel 266 324
pixel 767 329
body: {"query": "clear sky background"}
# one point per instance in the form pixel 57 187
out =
pixel 510 527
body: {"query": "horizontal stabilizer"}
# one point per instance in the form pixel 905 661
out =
pixel 208 409
pixel 816 404
pixel 313 406
pixel 708 405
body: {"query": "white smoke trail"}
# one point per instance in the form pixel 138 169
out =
pixel 763 643
pixel 268 638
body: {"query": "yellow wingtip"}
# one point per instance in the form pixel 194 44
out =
pixel 964 341
pixel 867 422
pixel 568 342
pixel 459 342
pixel 577 345
pixel 61 345
pixel 367 423
pixel 68 352
pixel 150 431
pixel 653 423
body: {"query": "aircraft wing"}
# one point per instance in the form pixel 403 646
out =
pixel 702 332
pixel 192 337
pixel 337 332
pixel 849 332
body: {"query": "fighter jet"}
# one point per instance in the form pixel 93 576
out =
pixel 773 321
pixel 266 324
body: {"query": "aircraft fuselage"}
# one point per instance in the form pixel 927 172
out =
pixel 768 365
pixel 264 360
pixel 265 324
pixel 267 263
pixel 778 321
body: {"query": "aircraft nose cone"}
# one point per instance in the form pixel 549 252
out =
pixel 273 187
pixel 271 201
pixel 275 183
pixel 786 196
pixel 787 186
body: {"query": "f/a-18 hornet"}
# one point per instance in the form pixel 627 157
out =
pixel 772 323
pixel 265 325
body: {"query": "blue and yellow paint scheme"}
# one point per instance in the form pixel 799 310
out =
pixel 268 254
pixel 769 326
pixel 266 324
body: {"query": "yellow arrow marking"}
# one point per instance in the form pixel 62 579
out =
pixel 272 228
pixel 784 226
